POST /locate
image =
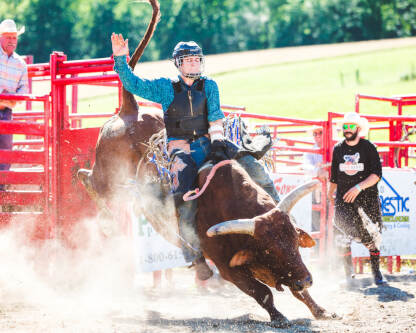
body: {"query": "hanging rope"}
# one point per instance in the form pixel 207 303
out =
pixel 157 154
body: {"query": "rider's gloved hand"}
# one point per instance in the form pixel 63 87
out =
pixel 218 151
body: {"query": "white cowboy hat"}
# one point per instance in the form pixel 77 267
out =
pixel 9 25
pixel 354 118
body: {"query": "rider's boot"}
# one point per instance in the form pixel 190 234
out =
pixel 190 241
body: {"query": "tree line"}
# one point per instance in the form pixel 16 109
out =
pixel 82 28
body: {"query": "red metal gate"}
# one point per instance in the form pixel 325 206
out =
pixel 33 170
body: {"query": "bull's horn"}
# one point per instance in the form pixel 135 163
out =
pixel 290 199
pixel 240 226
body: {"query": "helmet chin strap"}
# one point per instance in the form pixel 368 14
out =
pixel 192 75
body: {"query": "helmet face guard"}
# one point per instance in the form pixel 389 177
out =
pixel 188 49
pixel 197 75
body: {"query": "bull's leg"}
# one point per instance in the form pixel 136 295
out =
pixel 317 311
pixel 260 292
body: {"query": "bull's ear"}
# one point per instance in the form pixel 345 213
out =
pixel 305 240
pixel 242 257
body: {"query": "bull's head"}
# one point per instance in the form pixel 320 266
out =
pixel 275 259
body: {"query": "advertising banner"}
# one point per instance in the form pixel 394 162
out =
pixel 302 211
pixel 397 190
pixel 152 251
pixel 284 183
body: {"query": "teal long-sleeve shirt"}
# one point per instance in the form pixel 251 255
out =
pixel 161 90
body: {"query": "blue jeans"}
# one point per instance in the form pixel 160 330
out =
pixel 6 140
pixel 255 169
pixel 184 171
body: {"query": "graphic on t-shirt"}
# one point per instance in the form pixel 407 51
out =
pixel 351 165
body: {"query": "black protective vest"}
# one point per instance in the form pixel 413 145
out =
pixel 187 115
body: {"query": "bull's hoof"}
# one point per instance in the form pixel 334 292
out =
pixel 325 315
pixel 280 321
pixel 84 176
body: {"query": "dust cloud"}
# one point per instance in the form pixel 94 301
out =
pixel 89 280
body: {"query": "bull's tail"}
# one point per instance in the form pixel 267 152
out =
pixel 129 105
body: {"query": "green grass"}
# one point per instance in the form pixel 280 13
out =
pixel 310 89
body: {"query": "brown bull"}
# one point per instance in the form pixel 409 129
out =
pixel 258 246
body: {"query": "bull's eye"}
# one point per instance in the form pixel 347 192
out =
pixel 289 274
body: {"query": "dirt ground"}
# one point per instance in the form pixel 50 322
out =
pixel 95 289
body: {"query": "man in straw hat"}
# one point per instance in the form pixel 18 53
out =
pixel 312 161
pixel 355 172
pixel 13 78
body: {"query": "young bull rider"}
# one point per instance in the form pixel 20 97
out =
pixel 355 172
pixel 193 121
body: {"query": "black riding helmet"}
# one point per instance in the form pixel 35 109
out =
pixel 188 49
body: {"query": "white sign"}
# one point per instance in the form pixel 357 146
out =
pixel 302 211
pixel 397 190
pixel 152 251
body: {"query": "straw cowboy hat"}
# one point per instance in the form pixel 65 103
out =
pixel 10 27
pixel 354 118
pixel 315 128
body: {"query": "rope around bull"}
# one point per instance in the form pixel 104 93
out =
pixel 188 196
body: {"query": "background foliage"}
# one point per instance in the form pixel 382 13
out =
pixel 82 28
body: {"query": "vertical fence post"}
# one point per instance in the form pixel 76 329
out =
pixel 357 103
pixel 57 117
pixel 74 104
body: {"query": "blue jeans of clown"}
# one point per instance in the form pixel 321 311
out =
pixel 6 140
pixel 184 172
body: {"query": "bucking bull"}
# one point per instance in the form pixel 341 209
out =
pixel 257 246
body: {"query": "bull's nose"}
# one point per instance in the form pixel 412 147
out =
pixel 303 284
pixel 308 281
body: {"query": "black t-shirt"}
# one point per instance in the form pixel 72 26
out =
pixel 353 164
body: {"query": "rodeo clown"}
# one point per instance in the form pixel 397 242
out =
pixel 194 126
pixel 355 172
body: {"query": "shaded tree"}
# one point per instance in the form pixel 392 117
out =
pixel 49 25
